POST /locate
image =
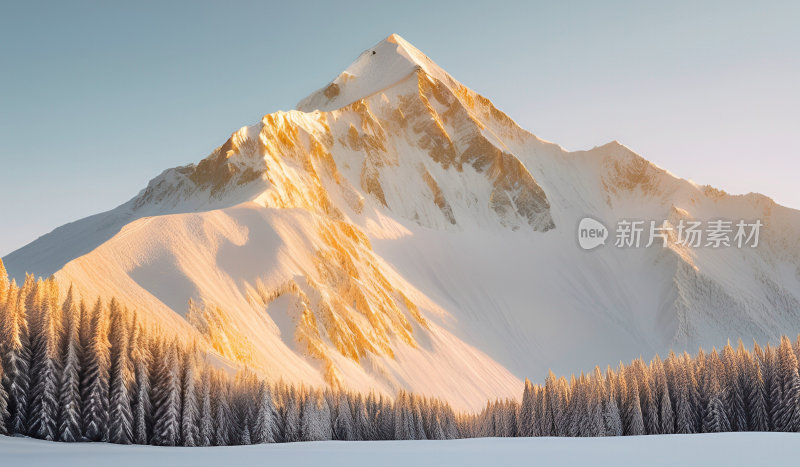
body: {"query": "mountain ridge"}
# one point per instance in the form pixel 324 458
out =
pixel 413 236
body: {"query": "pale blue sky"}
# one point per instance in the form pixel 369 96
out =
pixel 97 98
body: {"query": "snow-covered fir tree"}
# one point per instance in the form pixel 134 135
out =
pixel 291 418
pixel 527 414
pixel 190 409
pixel 4 415
pixel 167 396
pixel 141 407
pixel 314 419
pixel 45 361
pixel 265 426
pixel 787 412
pixel 120 420
pixel 69 392
pixel 16 350
pixel 344 427
pixel 715 419
pixel 95 385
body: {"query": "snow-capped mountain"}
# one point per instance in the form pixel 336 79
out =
pixel 399 231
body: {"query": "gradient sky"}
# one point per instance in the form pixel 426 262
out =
pixel 97 98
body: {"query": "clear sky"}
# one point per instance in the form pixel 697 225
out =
pixel 96 98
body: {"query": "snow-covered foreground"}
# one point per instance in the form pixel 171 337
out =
pixel 706 449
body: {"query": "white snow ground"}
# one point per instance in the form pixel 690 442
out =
pixel 728 449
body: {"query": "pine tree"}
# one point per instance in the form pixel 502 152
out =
pixel 754 392
pixel 140 400
pixel 312 420
pixel 419 429
pixel 5 294
pixel 577 408
pixel 224 417
pixel 661 393
pixel 85 334
pixel 167 394
pixel 787 415
pixel 715 420
pixel 708 371
pixel 69 420
pixel 403 418
pixel 4 287
pixel 437 431
pixel 666 415
pixel 527 410
pixel 4 415
pixel 16 356
pixel 451 431
pixel 595 420
pixel 649 407
pixel 265 426
pixel 343 428
pixel 191 411
pixel 684 412
pixel 365 430
pixel 611 417
pixel 557 403
pixel 698 402
pixel 45 364
pixel 330 397
pixel 206 430
pixel 326 417
pixel 6 309
pixel 385 419
pixel 291 419
pixel 541 425
pixel 634 425
pixel 120 415
pixel 733 378
pixel 772 386
pixel 95 387
pixel 244 439
pixel 550 400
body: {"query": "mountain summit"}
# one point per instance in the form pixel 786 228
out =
pixel 399 231
pixel 377 68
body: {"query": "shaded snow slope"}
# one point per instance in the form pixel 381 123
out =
pixel 399 231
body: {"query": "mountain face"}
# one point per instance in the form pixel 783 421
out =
pixel 399 231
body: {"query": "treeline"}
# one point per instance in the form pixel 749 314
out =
pixel 735 390
pixel 70 371
pixel 77 372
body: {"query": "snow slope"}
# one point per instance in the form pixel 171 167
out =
pixel 399 231
pixel 729 449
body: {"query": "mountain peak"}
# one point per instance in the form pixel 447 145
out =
pixel 382 65
pixel 394 38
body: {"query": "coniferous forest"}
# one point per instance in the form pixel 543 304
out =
pixel 77 371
